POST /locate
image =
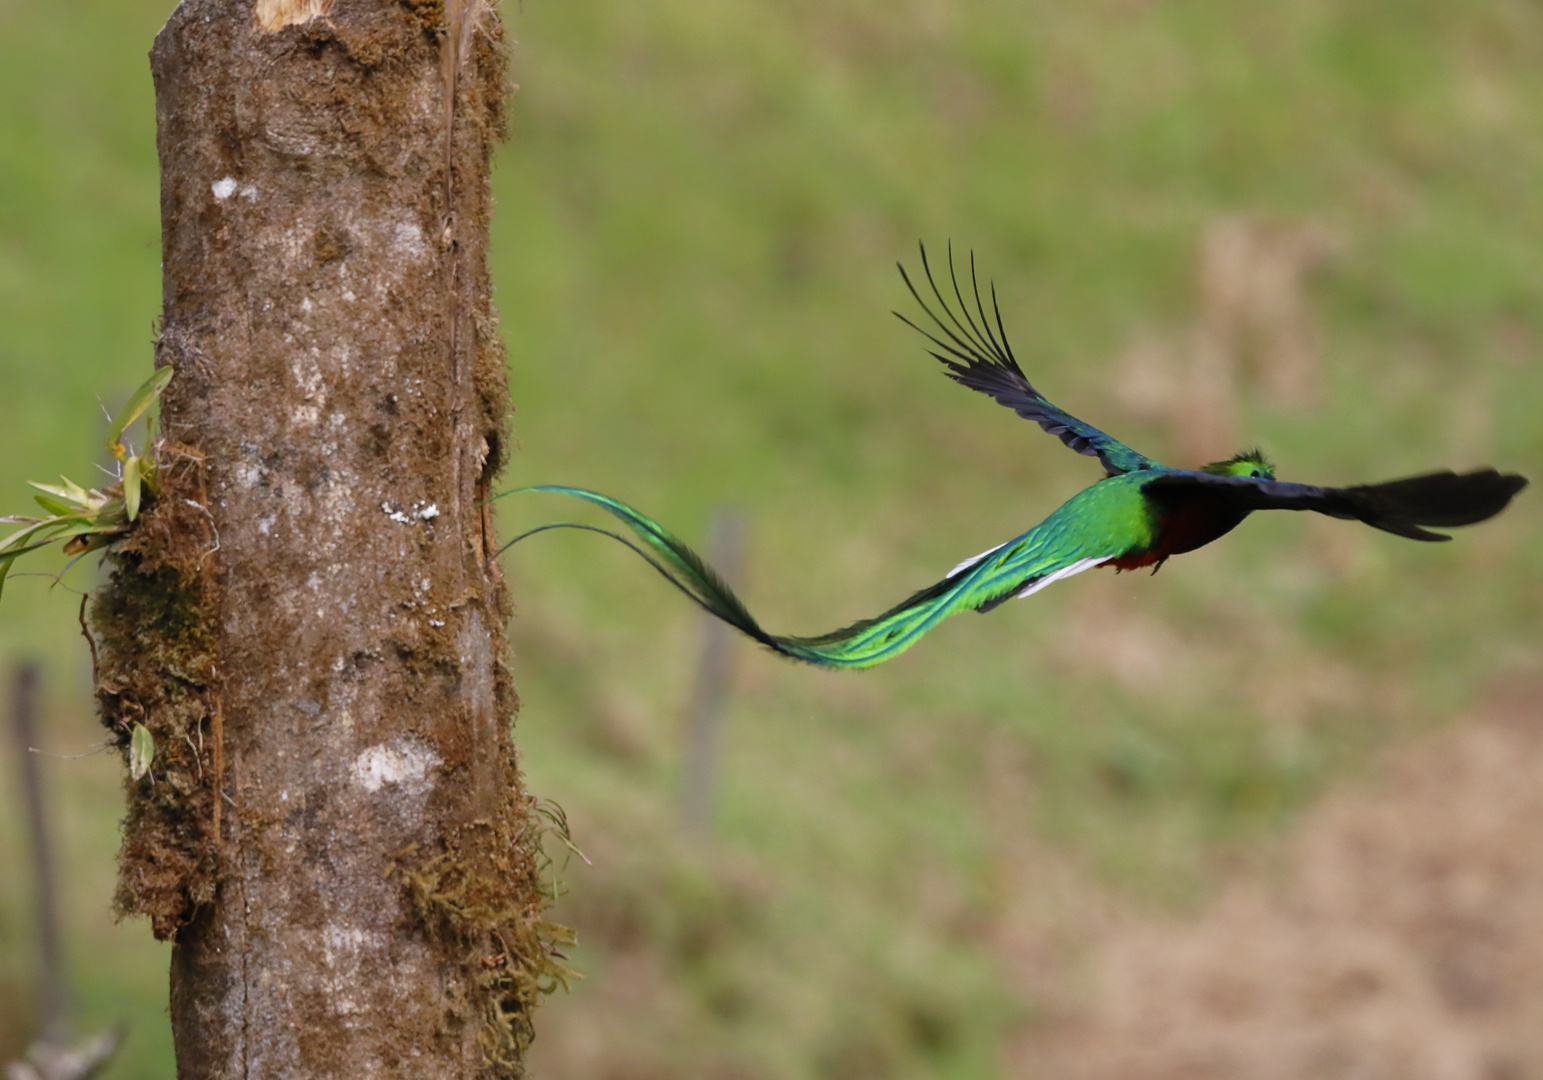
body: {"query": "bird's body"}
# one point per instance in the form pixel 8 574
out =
pixel 1140 514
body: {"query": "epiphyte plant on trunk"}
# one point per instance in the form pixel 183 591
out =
pixel 1140 514
pixel 85 519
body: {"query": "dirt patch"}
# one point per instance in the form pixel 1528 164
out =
pixel 1403 940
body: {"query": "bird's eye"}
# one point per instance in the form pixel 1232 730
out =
pixel 1255 474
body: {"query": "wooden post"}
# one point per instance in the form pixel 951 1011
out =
pixel 53 1005
pixel 709 696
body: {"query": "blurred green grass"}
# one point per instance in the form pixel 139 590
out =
pixel 698 216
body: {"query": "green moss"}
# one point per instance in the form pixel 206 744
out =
pixel 484 896
pixel 155 666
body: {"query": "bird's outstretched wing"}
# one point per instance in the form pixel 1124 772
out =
pixel 1442 499
pixel 977 355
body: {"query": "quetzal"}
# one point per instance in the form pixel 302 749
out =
pixel 1140 514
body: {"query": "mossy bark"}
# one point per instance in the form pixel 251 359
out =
pixel 310 618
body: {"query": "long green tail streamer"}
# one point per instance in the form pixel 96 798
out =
pixel 863 644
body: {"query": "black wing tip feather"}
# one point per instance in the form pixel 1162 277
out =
pixel 974 351
pixel 973 342
pixel 973 354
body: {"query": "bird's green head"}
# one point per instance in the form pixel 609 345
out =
pixel 1248 463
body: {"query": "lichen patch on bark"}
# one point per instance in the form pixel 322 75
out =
pixel 274 15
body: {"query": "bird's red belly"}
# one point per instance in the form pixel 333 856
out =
pixel 1132 562
pixel 1183 528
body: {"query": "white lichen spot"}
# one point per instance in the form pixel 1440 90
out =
pixel 436 622
pixel 305 305
pixel 348 294
pixel 408 237
pixel 308 376
pixel 249 193
pixel 399 762
pixel 224 189
pixel 419 512
pixel 274 15
pixel 341 939
pixel 247 475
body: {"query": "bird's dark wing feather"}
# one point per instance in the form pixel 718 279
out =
pixel 977 355
pixel 1442 499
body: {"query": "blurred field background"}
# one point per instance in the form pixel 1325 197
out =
pixel 1087 826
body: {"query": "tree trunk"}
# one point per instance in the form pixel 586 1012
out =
pixel 309 618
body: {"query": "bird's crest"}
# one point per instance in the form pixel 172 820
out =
pixel 1248 463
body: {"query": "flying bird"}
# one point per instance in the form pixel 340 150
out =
pixel 1140 514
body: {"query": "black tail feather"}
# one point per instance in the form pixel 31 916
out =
pixel 1442 499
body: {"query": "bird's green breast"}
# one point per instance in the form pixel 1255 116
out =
pixel 1110 518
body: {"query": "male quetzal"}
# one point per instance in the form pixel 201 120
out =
pixel 1138 515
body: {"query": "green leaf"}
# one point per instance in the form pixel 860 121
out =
pixel 11 555
pixel 79 528
pixel 8 557
pixel 71 490
pixel 71 493
pixel 138 402
pixel 16 537
pixel 58 492
pixel 149 475
pixel 57 507
pixel 141 751
pixel 131 485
